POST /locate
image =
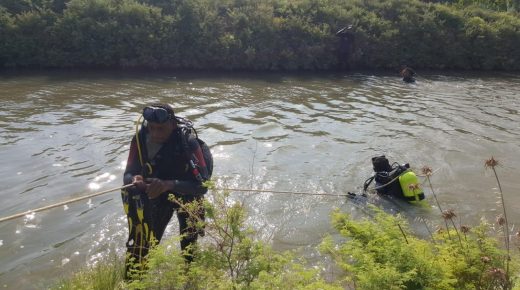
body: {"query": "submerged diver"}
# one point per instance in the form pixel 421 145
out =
pixel 167 163
pixel 395 180
pixel 408 74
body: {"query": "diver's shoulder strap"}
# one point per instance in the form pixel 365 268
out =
pixel 185 133
pixel 141 151
pixel 367 183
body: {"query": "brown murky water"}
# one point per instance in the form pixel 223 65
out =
pixel 66 134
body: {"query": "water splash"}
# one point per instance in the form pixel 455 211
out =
pixel 29 217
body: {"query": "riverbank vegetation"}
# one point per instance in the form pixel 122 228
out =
pixel 260 35
pixel 379 251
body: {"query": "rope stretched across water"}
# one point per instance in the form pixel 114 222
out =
pixel 129 185
pixel 281 191
pixel 225 189
pixel 61 203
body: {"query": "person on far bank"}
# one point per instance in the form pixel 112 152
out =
pixel 167 166
pixel 346 47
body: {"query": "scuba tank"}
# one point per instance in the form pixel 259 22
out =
pixel 411 186
pixel 396 180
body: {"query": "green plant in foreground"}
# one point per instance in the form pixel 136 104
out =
pixel 375 256
pixel 427 171
pixel 228 258
pixel 106 274
pixel 376 253
pixel 492 163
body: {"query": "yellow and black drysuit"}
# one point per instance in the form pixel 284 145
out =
pixel 180 159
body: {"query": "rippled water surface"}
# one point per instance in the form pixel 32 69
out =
pixel 63 135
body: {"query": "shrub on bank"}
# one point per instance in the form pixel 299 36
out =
pixel 257 35
pixel 229 257
pixel 382 253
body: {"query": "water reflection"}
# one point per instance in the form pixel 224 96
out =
pixel 101 179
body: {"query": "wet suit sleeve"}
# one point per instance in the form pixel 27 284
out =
pixel 133 166
pixel 194 186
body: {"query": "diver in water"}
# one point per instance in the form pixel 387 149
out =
pixel 394 180
pixel 168 165
pixel 407 73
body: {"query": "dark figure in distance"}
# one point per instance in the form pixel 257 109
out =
pixel 167 168
pixel 407 73
pixel 346 47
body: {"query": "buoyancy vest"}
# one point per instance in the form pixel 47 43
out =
pixel 410 186
pixel 170 162
pixel 396 180
pixel 176 159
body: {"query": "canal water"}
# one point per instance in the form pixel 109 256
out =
pixel 66 134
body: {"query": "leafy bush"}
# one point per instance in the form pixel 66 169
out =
pixel 375 253
pixel 230 258
pixel 382 253
pixel 258 35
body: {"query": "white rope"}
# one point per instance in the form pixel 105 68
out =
pixel 129 185
pixel 61 203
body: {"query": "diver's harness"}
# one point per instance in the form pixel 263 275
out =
pixel 396 180
pixel 186 129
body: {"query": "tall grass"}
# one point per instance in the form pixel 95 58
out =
pixel 501 220
pixel 106 274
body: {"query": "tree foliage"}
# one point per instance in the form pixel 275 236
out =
pixel 258 34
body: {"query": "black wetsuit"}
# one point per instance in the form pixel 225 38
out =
pixel 148 218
